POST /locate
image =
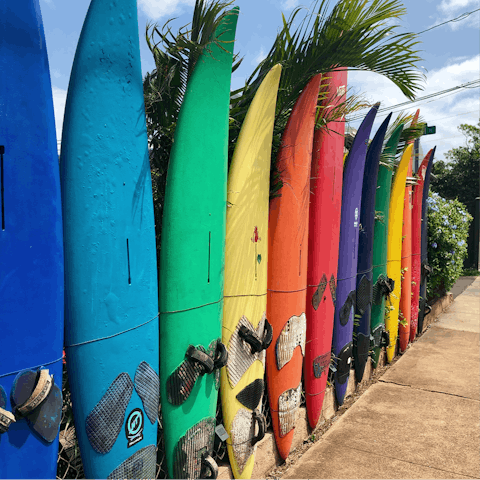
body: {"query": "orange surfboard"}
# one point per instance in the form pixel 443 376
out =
pixel 406 291
pixel 287 267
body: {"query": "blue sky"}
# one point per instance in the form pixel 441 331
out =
pixel 450 53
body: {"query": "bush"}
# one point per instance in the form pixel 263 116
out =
pixel 448 222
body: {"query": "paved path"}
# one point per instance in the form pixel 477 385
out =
pixel 422 419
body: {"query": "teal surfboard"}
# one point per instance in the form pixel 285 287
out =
pixel 110 256
pixel 192 262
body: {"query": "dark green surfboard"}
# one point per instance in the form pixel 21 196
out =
pixel 381 284
pixel 192 262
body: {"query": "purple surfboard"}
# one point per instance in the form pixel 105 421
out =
pixel 348 255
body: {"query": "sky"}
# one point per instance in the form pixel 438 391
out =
pixel 450 55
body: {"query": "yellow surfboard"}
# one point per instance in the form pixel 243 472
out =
pixel 246 332
pixel 394 247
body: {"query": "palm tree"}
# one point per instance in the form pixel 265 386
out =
pixel 356 34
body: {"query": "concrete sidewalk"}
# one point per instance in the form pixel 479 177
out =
pixel 422 419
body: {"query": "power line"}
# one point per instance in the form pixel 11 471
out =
pixel 472 84
pixel 457 19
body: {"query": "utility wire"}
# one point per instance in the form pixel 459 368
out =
pixel 472 84
pixel 457 19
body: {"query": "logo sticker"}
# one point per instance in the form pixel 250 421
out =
pixel 355 223
pixel 341 90
pixel 134 427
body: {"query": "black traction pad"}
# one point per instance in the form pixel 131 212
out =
pixel 181 382
pixel 320 364
pixel 344 313
pixel 190 449
pixel 364 295
pixel 147 386
pixel 333 289
pixel 240 355
pixel 44 419
pixel 104 423
pixel 361 352
pixel 3 397
pixel 317 296
pixel 141 464
pixel 343 363
pixel 382 289
pixel 251 395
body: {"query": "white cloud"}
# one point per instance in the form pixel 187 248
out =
pixel 50 3
pixel 59 98
pixel 451 9
pixel 445 112
pixel 451 6
pixel 261 55
pixel 289 4
pixel 156 9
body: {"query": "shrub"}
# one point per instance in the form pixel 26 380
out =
pixel 448 222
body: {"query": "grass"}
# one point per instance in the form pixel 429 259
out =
pixel 470 272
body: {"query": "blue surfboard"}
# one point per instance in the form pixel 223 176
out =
pixel 31 248
pixel 111 330
pixel 364 282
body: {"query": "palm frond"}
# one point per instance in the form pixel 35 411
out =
pixel 175 56
pixel 356 34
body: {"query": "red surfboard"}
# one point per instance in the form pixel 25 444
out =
pixel 417 243
pixel 406 289
pixel 287 267
pixel 323 243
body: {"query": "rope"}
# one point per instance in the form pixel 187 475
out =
pixel 112 336
pixel 31 368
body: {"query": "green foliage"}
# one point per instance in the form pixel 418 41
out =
pixel 408 134
pixel 470 272
pixel 460 177
pixel 448 223
pixel 356 34
pixel 175 58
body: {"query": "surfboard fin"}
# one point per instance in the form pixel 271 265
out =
pixel 6 417
pixel 36 397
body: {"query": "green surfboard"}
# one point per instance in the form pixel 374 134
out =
pixel 192 262
pixel 381 284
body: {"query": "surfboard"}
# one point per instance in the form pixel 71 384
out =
pixel 246 332
pixel 382 286
pixel 364 284
pixel 417 241
pixel 111 336
pixel 342 345
pixel 192 262
pixel 287 267
pixel 425 269
pixel 31 250
pixel 394 248
pixel 406 278
pixel 324 230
